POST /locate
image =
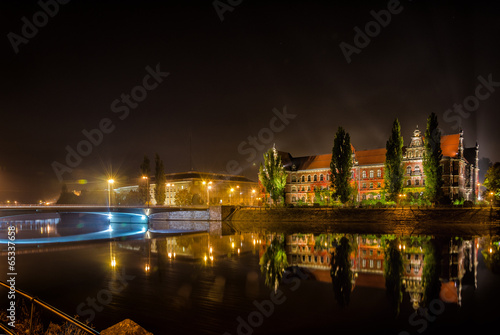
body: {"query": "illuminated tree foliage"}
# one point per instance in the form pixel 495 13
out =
pixel 341 165
pixel 160 179
pixel 432 160
pixel 341 272
pixel 183 197
pixel 272 175
pixel 394 170
pixel 273 263
pixel 492 179
pixel 393 273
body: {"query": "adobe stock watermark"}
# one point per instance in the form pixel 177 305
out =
pixel 255 144
pixel 221 7
pixel 423 316
pixel 104 297
pixel 471 103
pixel 372 29
pixel 120 106
pixel 29 28
pixel 265 308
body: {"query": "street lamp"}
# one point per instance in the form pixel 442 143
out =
pixel 231 196
pixel 110 184
pixel 208 194
pixel 147 189
pixel 253 194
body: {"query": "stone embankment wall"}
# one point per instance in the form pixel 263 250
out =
pixel 413 214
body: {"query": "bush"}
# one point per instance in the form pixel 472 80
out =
pixel 468 203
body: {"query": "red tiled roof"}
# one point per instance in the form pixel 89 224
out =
pixel 375 156
pixel 449 145
pixel 317 162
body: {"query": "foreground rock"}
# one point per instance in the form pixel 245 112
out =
pixel 126 327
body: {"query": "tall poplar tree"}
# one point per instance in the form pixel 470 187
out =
pixel 394 170
pixel 432 160
pixel 272 175
pixel 160 179
pixel 144 183
pixel 341 165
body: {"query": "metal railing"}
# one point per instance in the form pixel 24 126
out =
pixel 50 308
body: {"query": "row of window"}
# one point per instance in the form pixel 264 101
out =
pixel 364 175
pixel 303 179
pixel 372 173
pixel 308 188
pixel 379 185
pixel 371 263
pixel 408 169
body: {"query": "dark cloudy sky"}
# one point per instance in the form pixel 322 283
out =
pixel 226 77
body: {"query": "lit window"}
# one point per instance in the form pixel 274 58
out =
pixel 371 173
pixel 379 173
pixel 363 174
pixel 417 169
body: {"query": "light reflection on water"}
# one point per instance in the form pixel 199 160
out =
pixel 202 283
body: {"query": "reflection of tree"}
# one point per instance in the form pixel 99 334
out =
pixel 430 272
pixel 341 272
pixel 393 272
pixel 492 256
pixel 273 263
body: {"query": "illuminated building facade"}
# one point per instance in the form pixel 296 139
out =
pixel 205 187
pixel 309 177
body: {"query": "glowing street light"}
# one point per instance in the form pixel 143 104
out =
pixel 110 184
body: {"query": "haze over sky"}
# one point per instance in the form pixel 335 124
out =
pixel 228 69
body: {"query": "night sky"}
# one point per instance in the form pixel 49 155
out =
pixel 214 83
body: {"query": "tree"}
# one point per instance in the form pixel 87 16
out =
pixel 67 197
pixel 341 272
pixel 144 186
pixel 394 170
pixel 273 263
pixel 183 197
pixel 492 179
pixel 432 160
pixel 341 165
pixel 272 175
pixel 160 179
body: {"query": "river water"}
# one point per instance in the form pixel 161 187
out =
pixel 196 283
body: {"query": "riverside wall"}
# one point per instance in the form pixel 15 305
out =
pixel 400 215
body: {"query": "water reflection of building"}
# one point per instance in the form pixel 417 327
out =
pixel 458 262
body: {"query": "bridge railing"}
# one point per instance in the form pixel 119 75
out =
pixel 46 306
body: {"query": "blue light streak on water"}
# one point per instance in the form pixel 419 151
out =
pixel 102 235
